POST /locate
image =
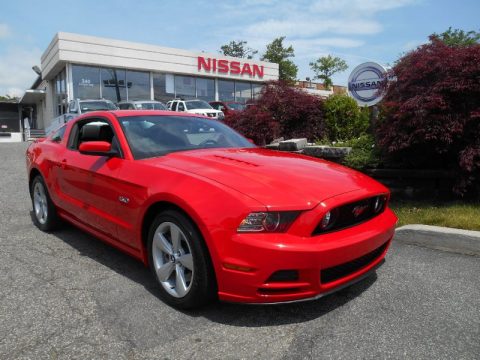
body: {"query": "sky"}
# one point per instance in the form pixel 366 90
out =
pixel 355 30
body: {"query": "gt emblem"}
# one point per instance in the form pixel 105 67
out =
pixel 123 199
pixel 359 210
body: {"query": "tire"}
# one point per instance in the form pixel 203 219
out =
pixel 182 267
pixel 44 212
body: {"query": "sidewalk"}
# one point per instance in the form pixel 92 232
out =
pixel 441 238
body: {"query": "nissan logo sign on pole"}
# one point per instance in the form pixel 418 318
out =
pixel 365 83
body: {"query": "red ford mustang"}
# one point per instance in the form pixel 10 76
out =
pixel 211 214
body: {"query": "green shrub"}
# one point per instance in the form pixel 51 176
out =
pixel 344 119
pixel 364 153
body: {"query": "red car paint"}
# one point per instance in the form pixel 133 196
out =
pixel 218 188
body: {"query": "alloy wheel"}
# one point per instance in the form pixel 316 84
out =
pixel 40 203
pixel 172 259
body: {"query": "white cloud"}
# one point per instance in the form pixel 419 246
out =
pixel 270 18
pixel 16 72
pixel 4 31
pixel 315 48
pixel 307 26
pixel 337 42
pixel 358 7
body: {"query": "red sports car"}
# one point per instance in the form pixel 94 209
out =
pixel 213 215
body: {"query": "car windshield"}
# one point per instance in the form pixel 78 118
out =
pixel 156 135
pixel 151 106
pixel 197 104
pixel 87 106
pixel 236 106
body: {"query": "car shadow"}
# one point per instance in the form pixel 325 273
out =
pixel 220 312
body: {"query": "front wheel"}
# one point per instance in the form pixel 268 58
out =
pixel 44 212
pixel 180 261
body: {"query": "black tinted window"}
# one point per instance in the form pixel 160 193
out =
pixel 150 136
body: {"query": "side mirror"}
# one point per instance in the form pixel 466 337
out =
pixel 100 148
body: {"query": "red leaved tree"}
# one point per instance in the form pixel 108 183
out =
pixel 432 111
pixel 281 110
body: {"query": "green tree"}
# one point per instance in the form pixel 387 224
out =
pixel 277 53
pixel 8 98
pixel 326 66
pixel 344 119
pixel 457 37
pixel 238 49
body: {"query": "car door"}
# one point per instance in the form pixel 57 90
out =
pixel 88 181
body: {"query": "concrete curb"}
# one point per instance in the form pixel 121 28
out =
pixel 441 238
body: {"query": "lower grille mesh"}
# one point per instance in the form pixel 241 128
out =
pixel 342 270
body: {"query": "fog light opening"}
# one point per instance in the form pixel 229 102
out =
pixel 283 276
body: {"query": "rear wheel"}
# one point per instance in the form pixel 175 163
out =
pixel 44 212
pixel 180 261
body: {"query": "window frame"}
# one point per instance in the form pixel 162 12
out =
pixel 73 137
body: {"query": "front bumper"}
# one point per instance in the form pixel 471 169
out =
pixel 323 263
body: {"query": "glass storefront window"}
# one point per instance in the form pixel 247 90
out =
pixel 60 96
pixel 243 91
pixel 138 85
pixel 185 87
pixel 163 87
pixel 226 90
pixel 118 84
pixel 206 89
pixel 113 84
pixel 86 82
pixel 256 90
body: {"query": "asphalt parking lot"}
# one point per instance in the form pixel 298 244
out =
pixel 66 295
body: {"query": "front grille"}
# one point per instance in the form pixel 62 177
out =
pixel 353 214
pixel 342 270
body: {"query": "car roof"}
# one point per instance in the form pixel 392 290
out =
pixel 126 113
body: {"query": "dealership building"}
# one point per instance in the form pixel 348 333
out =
pixel 85 67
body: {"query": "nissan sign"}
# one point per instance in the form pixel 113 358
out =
pixel 223 66
pixel 365 83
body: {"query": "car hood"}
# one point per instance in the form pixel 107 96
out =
pixel 277 179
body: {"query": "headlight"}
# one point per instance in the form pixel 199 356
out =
pixel 379 203
pixel 329 219
pixel 276 221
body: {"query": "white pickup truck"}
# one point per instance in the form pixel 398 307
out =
pixel 76 108
pixel 197 106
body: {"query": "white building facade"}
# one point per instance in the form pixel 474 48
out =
pixel 86 67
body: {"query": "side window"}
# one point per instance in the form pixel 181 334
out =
pixel 181 107
pixel 123 106
pixel 57 136
pixel 221 108
pixel 91 130
pixel 215 105
pixel 174 106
